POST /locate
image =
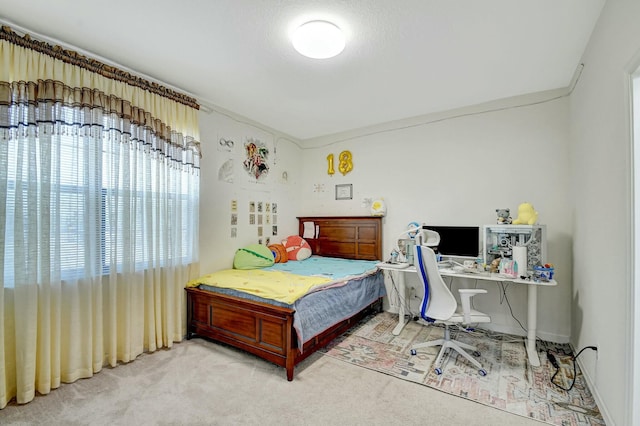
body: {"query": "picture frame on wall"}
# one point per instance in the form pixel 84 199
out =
pixel 344 191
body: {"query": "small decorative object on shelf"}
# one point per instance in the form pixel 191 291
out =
pixel 504 216
pixel 527 215
pixel 543 273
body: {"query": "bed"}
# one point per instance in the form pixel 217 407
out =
pixel 266 328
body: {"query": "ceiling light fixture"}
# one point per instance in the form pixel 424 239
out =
pixel 318 39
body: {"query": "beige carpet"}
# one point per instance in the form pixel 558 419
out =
pixel 203 383
pixel 511 384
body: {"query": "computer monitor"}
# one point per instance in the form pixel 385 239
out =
pixel 457 241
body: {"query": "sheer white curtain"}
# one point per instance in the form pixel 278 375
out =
pixel 98 222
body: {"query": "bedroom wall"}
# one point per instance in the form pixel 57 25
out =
pixel 601 183
pixel 223 180
pixel 456 169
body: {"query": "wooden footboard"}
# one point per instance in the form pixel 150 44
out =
pixel 261 329
pixel 258 328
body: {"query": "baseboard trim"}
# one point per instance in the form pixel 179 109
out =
pixel 594 391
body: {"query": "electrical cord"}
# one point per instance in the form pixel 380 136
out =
pixel 470 329
pixel 487 334
pixel 401 302
pixel 553 361
pixel 503 298
pixel 506 299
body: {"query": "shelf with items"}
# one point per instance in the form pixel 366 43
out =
pixel 499 240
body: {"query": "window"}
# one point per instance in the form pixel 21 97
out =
pixel 89 201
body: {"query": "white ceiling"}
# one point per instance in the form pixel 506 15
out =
pixel 403 58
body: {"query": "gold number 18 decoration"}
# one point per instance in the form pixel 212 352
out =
pixel 330 170
pixel 345 164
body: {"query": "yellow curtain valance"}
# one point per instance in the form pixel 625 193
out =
pixel 74 58
pixel 48 91
pixel 28 60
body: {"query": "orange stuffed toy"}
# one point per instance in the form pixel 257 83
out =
pixel 297 248
pixel 279 253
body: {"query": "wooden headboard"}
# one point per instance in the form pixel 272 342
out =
pixel 350 237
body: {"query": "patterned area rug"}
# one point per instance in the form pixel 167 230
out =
pixel 511 383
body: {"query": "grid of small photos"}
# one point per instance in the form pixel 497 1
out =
pixel 263 219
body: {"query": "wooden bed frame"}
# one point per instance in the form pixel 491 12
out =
pixel 266 330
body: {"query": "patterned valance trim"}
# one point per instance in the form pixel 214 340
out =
pixel 74 58
pixel 51 107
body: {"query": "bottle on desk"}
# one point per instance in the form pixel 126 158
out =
pixel 509 268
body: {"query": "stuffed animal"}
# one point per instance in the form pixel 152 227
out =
pixel 503 216
pixel 253 256
pixel 526 215
pixel 279 253
pixel 494 266
pixel 297 248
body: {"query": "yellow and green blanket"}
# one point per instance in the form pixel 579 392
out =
pixel 286 282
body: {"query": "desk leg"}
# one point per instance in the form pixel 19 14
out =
pixel 531 324
pixel 402 303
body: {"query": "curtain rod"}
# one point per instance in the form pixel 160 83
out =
pixel 74 58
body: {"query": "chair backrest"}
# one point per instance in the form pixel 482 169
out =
pixel 429 238
pixel 437 303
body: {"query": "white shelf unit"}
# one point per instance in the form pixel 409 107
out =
pixel 498 240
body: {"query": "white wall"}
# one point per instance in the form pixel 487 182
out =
pixel 457 171
pixel 601 185
pixel 216 245
pixel 455 168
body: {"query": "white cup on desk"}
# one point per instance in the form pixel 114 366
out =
pixel 469 264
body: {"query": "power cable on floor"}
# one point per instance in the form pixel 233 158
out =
pixel 552 359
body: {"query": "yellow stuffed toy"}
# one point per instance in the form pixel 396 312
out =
pixel 526 215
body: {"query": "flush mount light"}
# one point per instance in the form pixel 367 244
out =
pixel 318 39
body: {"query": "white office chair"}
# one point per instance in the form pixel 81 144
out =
pixel 428 238
pixel 440 306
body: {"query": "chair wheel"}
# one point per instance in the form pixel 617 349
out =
pixel 414 352
pixel 439 371
pixel 482 372
pixel 476 354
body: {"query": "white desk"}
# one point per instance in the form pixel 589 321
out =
pixel 532 299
